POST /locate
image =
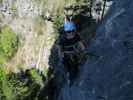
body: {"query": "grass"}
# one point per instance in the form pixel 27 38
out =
pixel 39 25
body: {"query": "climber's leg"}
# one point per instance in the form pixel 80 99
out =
pixel 74 71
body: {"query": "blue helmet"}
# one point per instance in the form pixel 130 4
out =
pixel 69 26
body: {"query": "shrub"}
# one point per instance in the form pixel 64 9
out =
pixel 5 87
pixel 8 43
pixel 58 23
pixel 20 86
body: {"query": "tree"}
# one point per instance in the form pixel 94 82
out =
pixel 8 43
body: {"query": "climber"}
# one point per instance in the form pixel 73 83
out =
pixel 69 47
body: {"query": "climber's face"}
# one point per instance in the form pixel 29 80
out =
pixel 70 34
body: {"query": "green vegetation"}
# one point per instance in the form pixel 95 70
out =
pixel 37 78
pixel 25 85
pixel 1 1
pixel 8 43
pixel 6 88
pixel 58 23
pixel 39 25
pixel 14 8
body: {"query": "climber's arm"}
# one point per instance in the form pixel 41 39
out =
pixel 60 53
pixel 82 46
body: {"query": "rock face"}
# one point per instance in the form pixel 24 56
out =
pixel 20 8
pixel 36 35
pixel 109 74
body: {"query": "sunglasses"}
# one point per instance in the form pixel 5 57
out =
pixel 70 31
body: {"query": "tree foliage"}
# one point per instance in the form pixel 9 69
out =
pixel 8 43
pixel 58 23
pixel 25 85
pixel 5 87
